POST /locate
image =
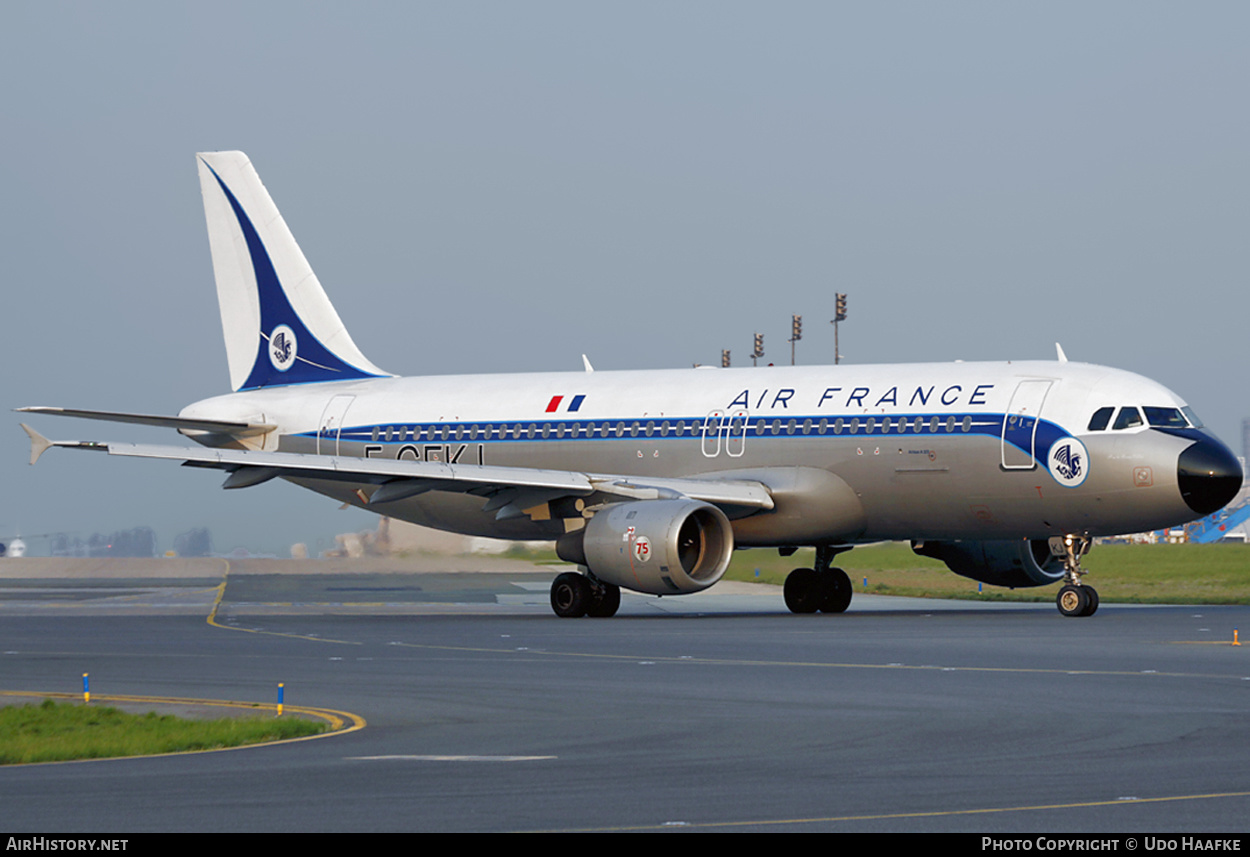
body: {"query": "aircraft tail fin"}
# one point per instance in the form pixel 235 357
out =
pixel 279 326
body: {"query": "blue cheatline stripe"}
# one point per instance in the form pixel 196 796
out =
pixel 787 428
pixel 314 362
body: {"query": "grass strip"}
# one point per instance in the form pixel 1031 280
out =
pixel 60 731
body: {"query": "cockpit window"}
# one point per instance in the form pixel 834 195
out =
pixel 1127 418
pixel 1100 419
pixel 1193 418
pixel 1165 417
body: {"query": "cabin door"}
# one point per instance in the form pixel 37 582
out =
pixel 1020 424
pixel 331 424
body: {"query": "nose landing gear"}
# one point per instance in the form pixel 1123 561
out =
pixel 1074 598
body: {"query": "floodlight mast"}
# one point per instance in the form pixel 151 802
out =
pixel 839 315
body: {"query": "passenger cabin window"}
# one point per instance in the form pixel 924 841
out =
pixel 1127 418
pixel 1101 419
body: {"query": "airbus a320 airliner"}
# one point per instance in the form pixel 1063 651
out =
pixel 648 480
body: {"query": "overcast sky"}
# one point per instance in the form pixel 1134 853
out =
pixel 504 186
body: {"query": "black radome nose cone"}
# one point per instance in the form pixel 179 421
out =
pixel 1209 475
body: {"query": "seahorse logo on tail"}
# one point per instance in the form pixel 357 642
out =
pixel 282 347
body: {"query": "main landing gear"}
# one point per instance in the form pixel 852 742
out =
pixel 574 595
pixel 821 588
pixel 1074 598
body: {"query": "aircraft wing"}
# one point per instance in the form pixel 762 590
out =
pixel 509 488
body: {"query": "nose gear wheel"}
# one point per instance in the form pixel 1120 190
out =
pixel 1075 598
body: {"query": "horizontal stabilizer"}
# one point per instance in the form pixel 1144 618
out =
pixel 238 429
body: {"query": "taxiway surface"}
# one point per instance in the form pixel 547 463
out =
pixel 712 712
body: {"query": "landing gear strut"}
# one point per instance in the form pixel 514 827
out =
pixel 1075 598
pixel 821 588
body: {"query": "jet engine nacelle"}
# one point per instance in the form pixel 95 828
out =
pixel 1018 562
pixel 662 547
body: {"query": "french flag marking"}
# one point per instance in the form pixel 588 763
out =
pixel 575 404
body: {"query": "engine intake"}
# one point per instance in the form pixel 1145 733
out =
pixel 662 547
pixel 1017 562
